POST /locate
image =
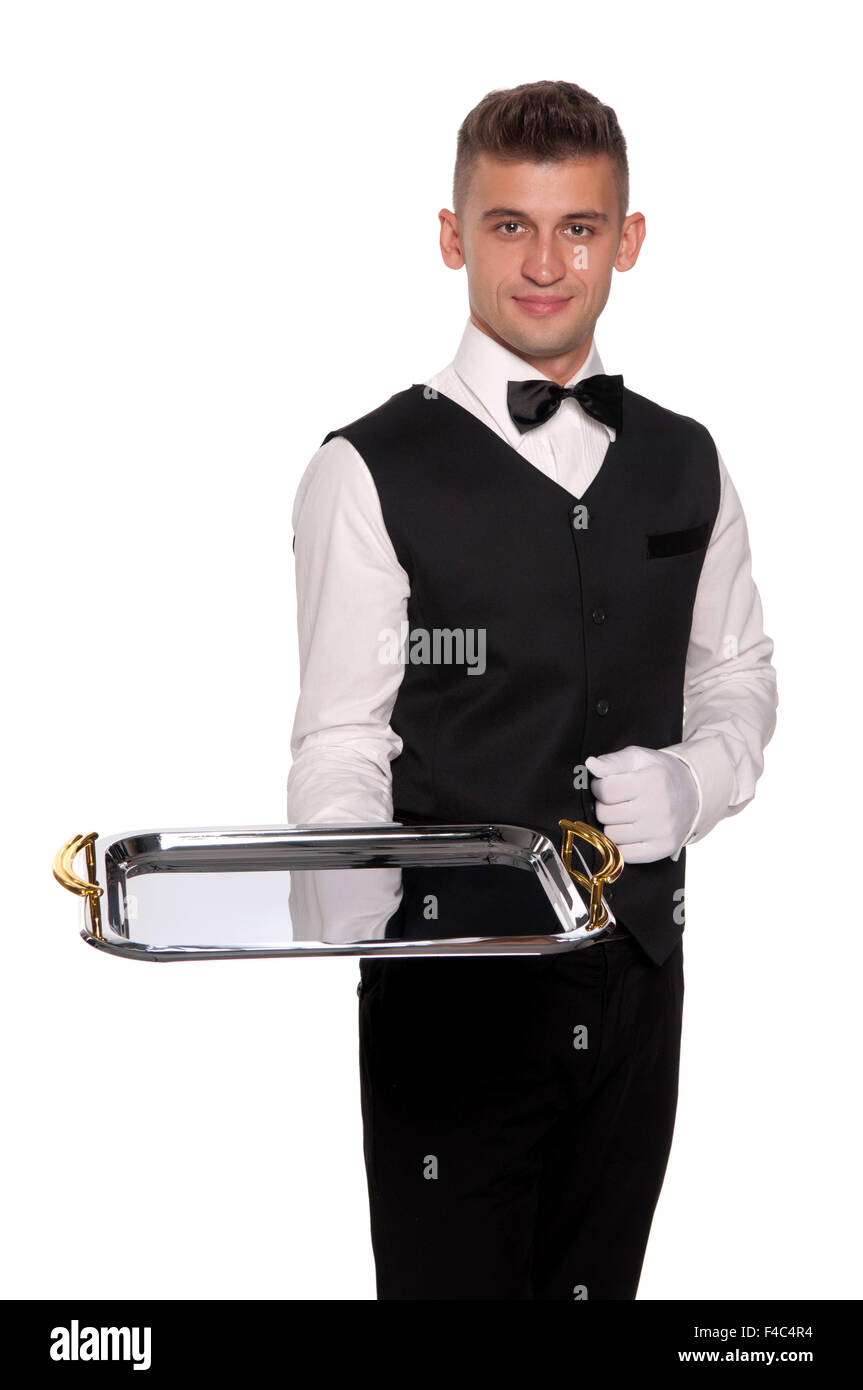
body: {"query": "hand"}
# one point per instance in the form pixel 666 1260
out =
pixel 646 801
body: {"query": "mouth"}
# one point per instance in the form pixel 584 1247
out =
pixel 540 304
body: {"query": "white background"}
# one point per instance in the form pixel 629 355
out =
pixel 219 243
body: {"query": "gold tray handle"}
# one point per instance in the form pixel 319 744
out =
pixel 67 878
pixel 610 868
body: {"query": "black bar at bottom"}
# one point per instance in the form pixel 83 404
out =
pixel 309 1341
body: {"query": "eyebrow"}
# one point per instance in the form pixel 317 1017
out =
pixel 586 216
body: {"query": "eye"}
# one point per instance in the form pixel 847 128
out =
pixel 506 224
pixel 581 227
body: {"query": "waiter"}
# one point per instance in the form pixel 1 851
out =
pixel 518 1111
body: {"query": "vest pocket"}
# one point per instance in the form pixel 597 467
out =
pixel 662 544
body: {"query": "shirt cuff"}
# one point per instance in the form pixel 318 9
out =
pixel 708 763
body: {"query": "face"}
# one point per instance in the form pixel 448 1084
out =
pixel 539 242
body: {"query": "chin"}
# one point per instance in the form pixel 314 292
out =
pixel 541 334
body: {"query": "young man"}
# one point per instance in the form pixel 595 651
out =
pixel 595 539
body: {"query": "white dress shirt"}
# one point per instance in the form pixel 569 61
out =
pixel 350 587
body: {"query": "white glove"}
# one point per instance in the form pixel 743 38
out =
pixel 646 801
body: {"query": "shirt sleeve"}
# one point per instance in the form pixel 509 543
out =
pixel 351 589
pixel 730 692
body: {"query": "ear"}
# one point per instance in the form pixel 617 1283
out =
pixel 632 234
pixel 450 240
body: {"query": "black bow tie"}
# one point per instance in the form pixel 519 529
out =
pixel 531 403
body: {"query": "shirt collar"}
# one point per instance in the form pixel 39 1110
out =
pixel 485 367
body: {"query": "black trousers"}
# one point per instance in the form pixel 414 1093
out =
pixel 517 1119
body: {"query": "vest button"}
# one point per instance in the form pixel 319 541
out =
pixel 598 615
pixel 602 707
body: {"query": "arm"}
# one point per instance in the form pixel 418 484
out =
pixel 349 587
pixel 730 696
pixel 645 799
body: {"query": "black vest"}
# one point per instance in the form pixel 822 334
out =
pixel 586 604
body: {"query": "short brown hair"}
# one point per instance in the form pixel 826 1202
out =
pixel 540 121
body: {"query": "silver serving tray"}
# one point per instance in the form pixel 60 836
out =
pixel 378 890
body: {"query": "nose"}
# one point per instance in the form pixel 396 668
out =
pixel 544 262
